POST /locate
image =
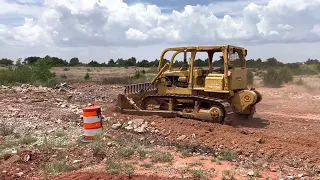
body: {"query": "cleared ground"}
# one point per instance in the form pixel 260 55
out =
pixel 41 127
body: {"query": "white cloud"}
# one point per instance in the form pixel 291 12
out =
pixel 72 23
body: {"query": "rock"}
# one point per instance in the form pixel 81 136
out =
pixel 108 119
pixel 182 137
pixel 244 132
pixel 251 173
pixel 20 174
pixel 26 158
pixel 137 122
pixel 141 129
pixel 76 161
pixel 300 175
pixel 265 165
pixel 109 144
pixel 129 127
pixel 260 141
pixel 116 126
pixel 156 131
pixel 152 141
pixel 290 177
pixel 13 159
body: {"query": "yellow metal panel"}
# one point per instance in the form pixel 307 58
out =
pixel 214 82
pixel 176 73
pixel 176 90
pixel 238 78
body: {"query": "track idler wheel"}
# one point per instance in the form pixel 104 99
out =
pixel 216 113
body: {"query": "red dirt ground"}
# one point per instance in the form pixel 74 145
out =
pixel 289 127
pixel 104 176
pixel 287 121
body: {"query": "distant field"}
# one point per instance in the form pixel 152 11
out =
pixel 95 73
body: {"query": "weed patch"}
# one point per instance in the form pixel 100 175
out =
pixel 228 175
pixel 199 174
pixel 148 166
pixel 27 140
pixel 120 168
pixel 58 167
pixel 126 152
pixel 162 157
pixel 6 130
pixel 228 155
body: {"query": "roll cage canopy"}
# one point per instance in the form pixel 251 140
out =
pixel 227 51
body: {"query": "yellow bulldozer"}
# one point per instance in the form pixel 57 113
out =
pixel 214 94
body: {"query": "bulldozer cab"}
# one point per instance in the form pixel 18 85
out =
pixel 189 78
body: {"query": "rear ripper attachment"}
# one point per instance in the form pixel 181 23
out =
pixel 142 99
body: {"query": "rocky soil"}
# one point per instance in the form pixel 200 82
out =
pixel 41 131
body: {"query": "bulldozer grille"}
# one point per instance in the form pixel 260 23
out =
pixel 136 88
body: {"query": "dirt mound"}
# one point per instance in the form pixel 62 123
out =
pixel 105 176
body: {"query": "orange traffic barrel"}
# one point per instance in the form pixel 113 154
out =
pixel 92 124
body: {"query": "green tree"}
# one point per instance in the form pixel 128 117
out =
pixel 31 60
pixel 18 62
pixel 6 62
pixel 131 61
pixel 93 63
pixel 143 63
pixel 111 63
pixel 74 61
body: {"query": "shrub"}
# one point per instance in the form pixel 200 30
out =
pixel 162 157
pixel 250 76
pixel 38 73
pixel 138 74
pixel 63 76
pixel 271 78
pixel 286 74
pixel 87 76
pixel 228 154
pixel 275 78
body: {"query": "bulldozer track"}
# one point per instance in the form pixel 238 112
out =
pixel 225 105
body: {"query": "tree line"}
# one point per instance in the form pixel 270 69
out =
pixel 311 65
